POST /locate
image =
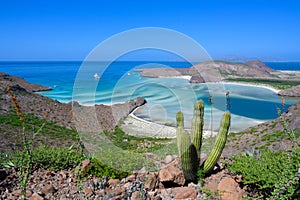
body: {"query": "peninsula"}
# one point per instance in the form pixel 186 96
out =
pixel 252 72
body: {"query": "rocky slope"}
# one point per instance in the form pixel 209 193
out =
pixel 5 79
pixel 274 134
pixel 60 113
pixel 291 92
pixel 167 183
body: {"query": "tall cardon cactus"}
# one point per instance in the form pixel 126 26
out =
pixel 189 148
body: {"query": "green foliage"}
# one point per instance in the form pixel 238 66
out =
pixel 128 142
pixel 53 158
pixel 271 172
pixel 210 195
pixel 200 176
pixel 125 161
pixel 99 169
pixel 273 137
pixel 33 123
pixel 5 160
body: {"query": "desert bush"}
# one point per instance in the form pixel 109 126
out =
pixel 274 173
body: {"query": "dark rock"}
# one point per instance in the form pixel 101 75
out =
pixel 3 174
pixel 197 79
pixel 18 89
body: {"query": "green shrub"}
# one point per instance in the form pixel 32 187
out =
pixel 99 169
pixel 271 172
pixel 54 158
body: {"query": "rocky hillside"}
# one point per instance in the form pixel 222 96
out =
pixel 274 134
pixel 212 69
pixel 60 113
pixel 291 92
pixel 6 79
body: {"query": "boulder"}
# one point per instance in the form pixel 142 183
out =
pixel 229 189
pixel 152 181
pixel 184 193
pixel 113 182
pixel 171 174
pixel 48 189
pixel 36 196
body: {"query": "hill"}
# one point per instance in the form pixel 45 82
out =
pixel 220 70
pixel 274 134
pixel 59 116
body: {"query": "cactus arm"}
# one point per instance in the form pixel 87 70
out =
pixel 179 130
pixel 219 144
pixel 197 126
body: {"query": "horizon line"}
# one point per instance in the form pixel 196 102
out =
pixel 225 60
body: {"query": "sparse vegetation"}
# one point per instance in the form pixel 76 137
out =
pixel 272 172
pixel 276 83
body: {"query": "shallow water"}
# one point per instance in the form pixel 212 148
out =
pixel 165 96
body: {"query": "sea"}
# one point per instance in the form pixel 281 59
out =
pixel 120 81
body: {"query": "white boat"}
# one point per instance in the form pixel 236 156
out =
pixel 96 76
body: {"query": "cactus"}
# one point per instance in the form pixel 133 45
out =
pixel 189 150
pixel 186 150
pixel 219 144
pixel 197 126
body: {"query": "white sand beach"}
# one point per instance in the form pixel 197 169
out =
pixel 135 126
pixel 255 85
pixel 275 90
pixel 187 77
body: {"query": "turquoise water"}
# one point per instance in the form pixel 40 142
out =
pixel 165 96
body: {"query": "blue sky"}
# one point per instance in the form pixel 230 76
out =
pixel 69 30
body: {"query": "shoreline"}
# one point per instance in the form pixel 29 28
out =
pixel 132 124
pixel 269 87
pixel 253 85
pixel 136 126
